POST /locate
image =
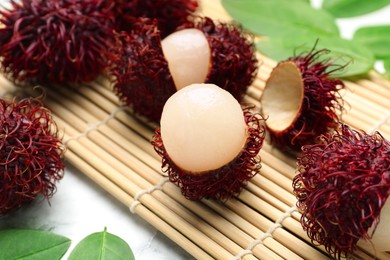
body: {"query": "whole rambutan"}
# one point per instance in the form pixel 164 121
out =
pixel 146 70
pixel 55 40
pixel 301 99
pixel 209 144
pixel 30 153
pixel 342 186
pixel 169 13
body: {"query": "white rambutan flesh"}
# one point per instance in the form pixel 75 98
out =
pixel 207 132
pixel 188 55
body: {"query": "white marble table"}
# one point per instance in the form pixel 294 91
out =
pixel 80 207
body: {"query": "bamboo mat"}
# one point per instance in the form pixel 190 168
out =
pixel 110 146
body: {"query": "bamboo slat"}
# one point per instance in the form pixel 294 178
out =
pixel 112 147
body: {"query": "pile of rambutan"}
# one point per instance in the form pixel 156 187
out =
pixel 342 186
pixel 30 153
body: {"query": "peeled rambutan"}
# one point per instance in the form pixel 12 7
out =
pixel 342 187
pixel 209 144
pixel 146 70
pixel 169 13
pixel 55 40
pixel 301 99
pixel 30 153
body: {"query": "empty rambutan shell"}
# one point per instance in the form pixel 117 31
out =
pixel 55 41
pixel 200 52
pixel 342 187
pixel 169 13
pixel 301 100
pixel 30 153
pixel 209 144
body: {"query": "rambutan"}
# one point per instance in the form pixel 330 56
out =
pixel 209 144
pixel 342 186
pixel 140 72
pixel 30 153
pixel 169 13
pixel 146 70
pixel 301 99
pixel 55 41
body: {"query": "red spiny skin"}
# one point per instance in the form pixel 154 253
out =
pixel 234 65
pixel 169 13
pixel 321 103
pixel 55 40
pixel 141 74
pixel 30 154
pixel 341 186
pixel 226 181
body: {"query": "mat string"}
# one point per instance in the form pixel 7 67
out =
pixel 379 124
pixel 95 126
pixel 150 190
pixel 277 224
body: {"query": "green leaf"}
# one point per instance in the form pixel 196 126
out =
pixel 102 246
pixel 32 244
pixel 350 8
pixel 386 64
pixel 360 59
pixel 278 18
pixel 376 38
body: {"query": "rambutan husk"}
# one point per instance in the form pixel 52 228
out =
pixel 140 72
pixel 30 153
pixel 343 182
pixel 169 13
pixel 226 181
pixel 301 100
pixel 55 41
pixel 233 64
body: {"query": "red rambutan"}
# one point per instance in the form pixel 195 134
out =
pixel 301 100
pixel 169 13
pixel 209 145
pixel 342 185
pixel 141 74
pixel 55 41
pixel 147 70
pixel 30 153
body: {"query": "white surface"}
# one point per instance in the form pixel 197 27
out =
pixel 80 207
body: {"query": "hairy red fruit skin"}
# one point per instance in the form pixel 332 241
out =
pixel 169 13
pixel 55 41
pixel 321 104
pixel 140 72
pixel 141 75
pixel 234 64
pixel 341 186
pixel 30 153
pixel 226 181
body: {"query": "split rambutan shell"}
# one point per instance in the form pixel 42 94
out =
pixel 226 181
pixel 140 70
pixel 301 100
pixel 30 153
pixel 168 13
pixel 342 184
pixel 55 41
